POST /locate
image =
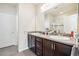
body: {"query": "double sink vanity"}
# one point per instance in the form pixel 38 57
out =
pixel 50 45
pixel 59 22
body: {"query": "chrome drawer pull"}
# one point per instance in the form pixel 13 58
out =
pixel 52 46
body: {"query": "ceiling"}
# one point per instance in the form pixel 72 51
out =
pixel 37 4
pixel 63 8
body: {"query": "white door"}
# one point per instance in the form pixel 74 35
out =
pixel 7 30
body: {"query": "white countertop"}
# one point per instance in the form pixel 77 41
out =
pixel 61 39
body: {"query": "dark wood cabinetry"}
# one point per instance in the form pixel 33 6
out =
pixel 62 49
pixel 39 46
pixel 46 47
pixel 31 42
pixel 51 48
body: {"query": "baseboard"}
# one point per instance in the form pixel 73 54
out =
pixel 20 50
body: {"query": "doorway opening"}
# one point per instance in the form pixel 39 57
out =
pixel 8 28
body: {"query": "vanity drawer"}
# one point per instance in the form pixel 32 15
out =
pixel 39 39
pixel 38 45
pixel 38 52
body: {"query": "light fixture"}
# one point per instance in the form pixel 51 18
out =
pixel 47 6
pixel 61 12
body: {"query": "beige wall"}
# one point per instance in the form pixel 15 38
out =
pixel 26 23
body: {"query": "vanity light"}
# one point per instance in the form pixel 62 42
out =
pixel 61 12
pixel 47 6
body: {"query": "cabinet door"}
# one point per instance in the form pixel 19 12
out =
pixel 31 42
pixel 47 48
pixel 62 49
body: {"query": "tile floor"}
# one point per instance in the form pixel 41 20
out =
pixel 12 51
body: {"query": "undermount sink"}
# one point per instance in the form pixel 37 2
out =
pixel 59 37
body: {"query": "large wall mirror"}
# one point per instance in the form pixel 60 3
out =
pixel 61 17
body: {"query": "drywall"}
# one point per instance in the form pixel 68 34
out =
pixel 26 23
pixel 40 21
pixel 8 31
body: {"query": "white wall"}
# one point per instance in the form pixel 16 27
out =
pixel 40 21
pixel 26 23
pixel 8 24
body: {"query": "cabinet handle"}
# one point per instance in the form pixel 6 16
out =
pixel 52 46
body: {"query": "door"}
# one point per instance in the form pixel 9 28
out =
pixel 7 30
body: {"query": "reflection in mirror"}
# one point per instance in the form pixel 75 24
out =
pixel 61 18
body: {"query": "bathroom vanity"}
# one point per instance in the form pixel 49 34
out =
pixel 60 20
pixel 46 45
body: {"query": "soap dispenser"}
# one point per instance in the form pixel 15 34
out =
pixel 72 35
